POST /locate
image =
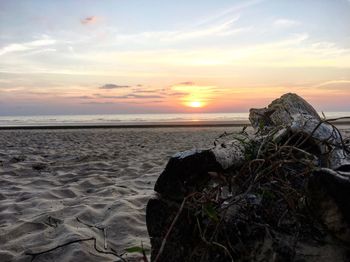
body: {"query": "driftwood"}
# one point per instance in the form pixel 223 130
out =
pixel 293 113
pixel 280 194
pixel 187 171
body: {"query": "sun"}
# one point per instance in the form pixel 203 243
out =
pixel 195 104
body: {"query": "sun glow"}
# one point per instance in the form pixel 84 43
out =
pixel 195 104
pixel 193 95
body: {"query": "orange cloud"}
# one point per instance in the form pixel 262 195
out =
pixel 187 83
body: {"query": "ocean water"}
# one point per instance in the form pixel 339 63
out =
pixel 131 119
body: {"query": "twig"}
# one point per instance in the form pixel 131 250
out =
pixel 103 229
pixel 223 247
pixel 108 252
pixel 212 242
pixel 35 254
pixel 105 238
pixel 171 227
pixel 89 225
pixel 144 256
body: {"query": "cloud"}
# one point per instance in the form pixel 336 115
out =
pixel 295 50
pixel 81 97
pixel 160 92
pixel 221 24
pixel 127 96
pixel 342 81
pixel 124 102
pixel 41 51
pixel 217 29
pixel 336 85
pixel 112 86
pixel 283 23
pixel 89 20
pixel 146 102
pixel 220 29
pixel 228 11
pixel 187 83
pixel 97 103
pixel 147 91
pixel 32 45
pixel 178 93
pixel 143 96
pixel 110 97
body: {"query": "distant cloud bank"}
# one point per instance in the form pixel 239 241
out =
pixel 187 83
pixel 112 86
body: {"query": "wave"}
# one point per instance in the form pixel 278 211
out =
pixel 129 119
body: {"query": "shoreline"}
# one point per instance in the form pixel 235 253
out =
pixel 145 125
pixel 133 125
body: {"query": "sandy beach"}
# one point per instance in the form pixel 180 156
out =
pixel 97 96
pixel 59 186
pixel 50 179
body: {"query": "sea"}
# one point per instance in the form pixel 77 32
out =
pixel 133 119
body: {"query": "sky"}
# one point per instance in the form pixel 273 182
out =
pixel 160 56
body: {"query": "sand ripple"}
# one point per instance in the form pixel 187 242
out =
pixel 49 178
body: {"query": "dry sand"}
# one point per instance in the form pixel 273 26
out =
pixel 104 177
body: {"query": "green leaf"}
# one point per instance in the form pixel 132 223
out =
pixel 261 125
pixel 135 249
pixel 268 195
pixel 210 211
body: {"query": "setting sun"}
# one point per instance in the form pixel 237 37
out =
pixel 194 95
pixel 196 104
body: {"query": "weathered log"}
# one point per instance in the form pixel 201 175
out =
pixel 252 225
pixel 329 194
pixel 282 111
pixel 298 117
pixel 293 113
pixel 159 216
pixel 188 171
pixel 185 173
